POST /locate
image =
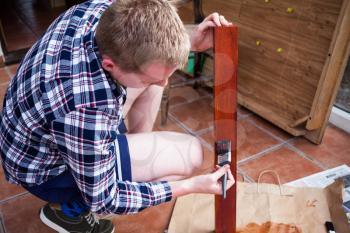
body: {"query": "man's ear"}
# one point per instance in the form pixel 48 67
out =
pixel 108 64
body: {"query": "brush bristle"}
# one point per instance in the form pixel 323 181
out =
pixel 222 146
pixel 223 151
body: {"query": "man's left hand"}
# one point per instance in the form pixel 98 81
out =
pixel 201 36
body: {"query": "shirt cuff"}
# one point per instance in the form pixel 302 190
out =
pixel 161 192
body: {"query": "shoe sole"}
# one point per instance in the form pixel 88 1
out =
pixel 53 225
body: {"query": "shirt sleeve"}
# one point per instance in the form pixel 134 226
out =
pixel 85 138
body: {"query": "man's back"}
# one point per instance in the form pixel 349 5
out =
pixel 60 73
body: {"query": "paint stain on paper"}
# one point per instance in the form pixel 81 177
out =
pixel 270 227
pixel 311 203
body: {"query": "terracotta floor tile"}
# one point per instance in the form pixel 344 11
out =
pixel 3 88
pixel 185 94
pixel 208 137
pixel 333 151
pixel 241 179
pixel 287 163
pixel 153 220
pixel 4 77
pixel 22 215
pixel 251 139
pixel 169 126
pixel 7 190
pixel 196 115
pixel 12 69
pixel 270 127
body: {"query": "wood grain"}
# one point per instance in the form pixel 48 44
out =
pixel 331 77
pixel 301 80
pixel 225 116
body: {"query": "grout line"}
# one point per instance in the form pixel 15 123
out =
pixel 252 157
pixel 261 153
pixel 245 176
pixel 307 157
pixel 189 131
pixel 12 197
pixel 190 101
pixel 204 131
pixel 180 124
pixel 8 71
pixel 205 143
pixel 267 131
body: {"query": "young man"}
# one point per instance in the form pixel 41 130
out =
pixel 62 134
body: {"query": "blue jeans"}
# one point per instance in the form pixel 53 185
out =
pixel 63 189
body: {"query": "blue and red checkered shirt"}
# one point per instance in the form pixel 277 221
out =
pixel 62 111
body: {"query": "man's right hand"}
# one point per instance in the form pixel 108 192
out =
pixel 207 183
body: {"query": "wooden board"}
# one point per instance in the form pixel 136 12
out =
pixel 292 56
pixel 330 79
pixel 225 117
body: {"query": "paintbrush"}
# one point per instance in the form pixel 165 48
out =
pixel 223 152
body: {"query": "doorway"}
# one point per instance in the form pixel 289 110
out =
pixel 23 22
pixel 340 115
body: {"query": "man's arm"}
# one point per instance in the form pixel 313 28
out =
pixel 208 183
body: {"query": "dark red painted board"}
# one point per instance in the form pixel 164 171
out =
pixel 225 117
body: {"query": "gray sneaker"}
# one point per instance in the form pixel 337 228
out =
pixel 84 223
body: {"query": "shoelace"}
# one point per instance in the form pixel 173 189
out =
pixel 90 218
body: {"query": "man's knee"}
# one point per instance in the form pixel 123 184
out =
pixel 196 155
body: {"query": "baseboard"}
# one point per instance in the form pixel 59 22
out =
pixel 340 118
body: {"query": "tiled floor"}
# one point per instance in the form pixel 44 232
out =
pixel 260 146
pixel 24 21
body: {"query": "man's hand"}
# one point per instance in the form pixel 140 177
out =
pixel 211 183
pixel 208 183
pixel 201 36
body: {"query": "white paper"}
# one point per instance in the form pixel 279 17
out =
pixel 325 178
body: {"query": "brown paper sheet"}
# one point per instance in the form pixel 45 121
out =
pixel 297 210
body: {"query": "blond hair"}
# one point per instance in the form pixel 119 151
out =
pixel 135 32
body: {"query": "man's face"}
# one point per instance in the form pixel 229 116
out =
pixel 153 73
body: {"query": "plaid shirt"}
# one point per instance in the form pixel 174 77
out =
pixel 62 111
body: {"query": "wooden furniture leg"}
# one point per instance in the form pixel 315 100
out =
pixel 194 81
pixel 225 117
pixel 164 105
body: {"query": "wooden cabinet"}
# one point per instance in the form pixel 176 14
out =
pixel 292 54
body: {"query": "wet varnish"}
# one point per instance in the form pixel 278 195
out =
pixel 270 227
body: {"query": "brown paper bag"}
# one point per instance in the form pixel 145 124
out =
pixel 266 208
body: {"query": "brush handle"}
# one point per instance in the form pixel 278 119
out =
pixel 224 185
pixel 224 179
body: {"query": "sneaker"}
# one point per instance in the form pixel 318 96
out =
pixel 84 223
